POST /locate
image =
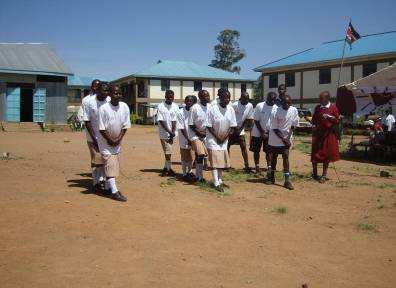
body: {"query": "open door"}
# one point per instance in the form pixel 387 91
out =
pixel 13 104
pixel 39 104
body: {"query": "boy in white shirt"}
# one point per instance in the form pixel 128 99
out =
pixel 166 118
pixel 390 121
pixel 244 116
pixel 197 131
pixel 220 124
pixel 114 120
pixel 91 106
pixel 283 122
pixel 186 153
pixel 261 128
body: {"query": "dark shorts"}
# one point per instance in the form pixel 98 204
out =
pixel 236 139
pixel 279 150
pixel 257 142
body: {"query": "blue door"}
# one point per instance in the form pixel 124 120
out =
pixel 13 104
pixel 39 105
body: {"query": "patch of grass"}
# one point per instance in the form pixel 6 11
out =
pixel 386 186
pixel 238 175
pixel 342 184
pixel 168 182
pixel 303 146
pixel 209 187
pixel 280 210
pixel 380 205
pixel 368 227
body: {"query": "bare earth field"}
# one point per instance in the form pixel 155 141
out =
pixel 54 233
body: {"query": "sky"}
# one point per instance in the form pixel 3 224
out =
pixel 110 39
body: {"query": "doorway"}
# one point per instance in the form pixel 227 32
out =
pixel 26 105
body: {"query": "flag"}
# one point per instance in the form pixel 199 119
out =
pixel 351 34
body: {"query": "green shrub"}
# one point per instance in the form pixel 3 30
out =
pixel 136 119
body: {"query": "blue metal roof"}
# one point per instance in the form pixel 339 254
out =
pixel 367 45
pixel 31 58
pixel 187 70
pixel 81 81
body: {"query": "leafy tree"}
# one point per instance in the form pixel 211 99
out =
pixel 258 90
pixel 227 51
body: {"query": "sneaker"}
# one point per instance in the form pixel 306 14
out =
pixel 288 185
pixel 102 184
pixel 201 181
pixel 315 177
pixel 171 173
pixel 219 188
pixel 97 188
pixel 247 170
pixel 164 172
pixel 257 170
pixel 270 179
pixel 118 197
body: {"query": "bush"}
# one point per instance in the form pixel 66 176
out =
pixel 136 119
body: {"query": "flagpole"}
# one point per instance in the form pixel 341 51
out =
pixel 342 58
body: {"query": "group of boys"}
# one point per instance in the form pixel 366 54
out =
pixel 208 129
pixel 106 120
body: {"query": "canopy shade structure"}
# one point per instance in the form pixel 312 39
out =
pixel 373 94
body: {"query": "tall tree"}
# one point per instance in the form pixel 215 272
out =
pixel 227 51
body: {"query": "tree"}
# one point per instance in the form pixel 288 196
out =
pixel 227 52
pixel 258 90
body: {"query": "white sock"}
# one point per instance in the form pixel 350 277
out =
pixel 220 173
pixel 94 175
pixel 107 186
pixel 184 167
pixel 112 184
pixel 198 170
pixel 189 168
pixel 168 164
pixel 101 174
pixel 215 175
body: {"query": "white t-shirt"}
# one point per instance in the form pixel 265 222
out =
pixel 198 117
pixel 221 120
pixel 282 120
pixel 113 119
pixel 182 123
pixel 166 113
pixel 90 113
pixel 242 112
pixel 262 114
pixel 390 122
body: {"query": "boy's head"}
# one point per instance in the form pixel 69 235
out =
pixel 95 85
pixel 224 98
pixel 286 103
pixel 282 90
pixel 244 98
pixel 115 94
pixel 195 99
pixel 324 97
pixel 103 91
pixel 271 97
pixel 204 97
pixel 169 96
pixel 189 101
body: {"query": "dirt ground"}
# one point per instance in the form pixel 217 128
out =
pixel 54 233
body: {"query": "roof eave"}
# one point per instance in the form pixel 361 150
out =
pixel 192 78
pixel 30 72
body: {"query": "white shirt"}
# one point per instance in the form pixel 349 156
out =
pixel 262 114
pixel 166 113
pixel 242 112
pixel 84 102
pixel 390 122
pixel 113 119
pixel 198 118
pixel 91 113
pixel 282 120
pixel 182 123
pixel 221 120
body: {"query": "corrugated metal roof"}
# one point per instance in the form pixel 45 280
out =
pixel 31 58
pixel 187 70
pixel 82 81
pixel 367 45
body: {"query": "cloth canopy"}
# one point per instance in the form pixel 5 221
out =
pixel 372 94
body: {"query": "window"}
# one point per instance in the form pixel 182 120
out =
pixel 325 76
pixel 197 85
pixel 369 68
pixel 165 84
pixel 290 79
pixel 243 87
pixel 273 81
pixel 77 94
pixel 224 85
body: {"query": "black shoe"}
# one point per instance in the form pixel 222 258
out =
pixel 315 177
pixel 247 170
pixel 270 178
pixel 171 173
pixel 164 172
pixel 102 184
pixel 118 197
pixel 201 181
pixel 97 188
pixel 220 188
pixel 288 185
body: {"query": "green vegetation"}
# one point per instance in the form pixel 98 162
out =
pixel 136 119
pixel 280 209
pixel 368 227
pixel 386 186
pixel 168 182
pixel 209 187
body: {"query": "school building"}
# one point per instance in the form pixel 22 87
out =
pixel 145 89
pixel 33 84
pixel 311 71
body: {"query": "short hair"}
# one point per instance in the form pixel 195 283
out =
pixel 195 99
pixel 113 88
pixel 325 92
pixel 95 80
pixel 282 85
pixel 272 94
pixel 202 91
pixel 104 83
pixel 169 92
pixel 222 90
pixel 189 97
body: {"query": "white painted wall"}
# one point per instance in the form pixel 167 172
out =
pixel 188 88
pixel 155 89
pixel 175 87
pixel 208 86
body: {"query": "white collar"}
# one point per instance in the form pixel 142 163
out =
pixel 325 106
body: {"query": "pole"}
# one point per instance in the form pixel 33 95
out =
pixel 342 63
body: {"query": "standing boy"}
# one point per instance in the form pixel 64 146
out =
pixel 261 128
pixel 166 118
pixel 186 153
pixel 244 116
pixel 91 119
pixel 197 131
pixel 220 124
pixel 281 95
pixel 283 122
pixel 114 120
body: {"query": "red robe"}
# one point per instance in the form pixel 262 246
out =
pixel 324 139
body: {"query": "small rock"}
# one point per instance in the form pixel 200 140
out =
pixel 67 201
pixel 384 174
pixel 305 285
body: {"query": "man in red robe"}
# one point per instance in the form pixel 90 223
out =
pixel 324 138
